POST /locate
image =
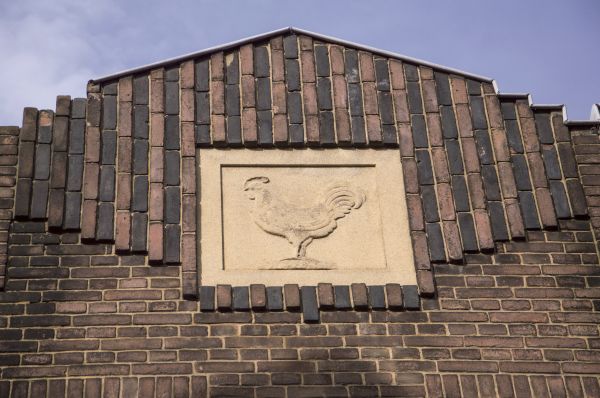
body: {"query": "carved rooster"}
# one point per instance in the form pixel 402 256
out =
pixel 300 225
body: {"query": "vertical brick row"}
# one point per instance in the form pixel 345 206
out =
pixel 262 82
pixel 218 127
pixel 105 230
pixel 140 171
pixel 309 90
pixel 532 149
pixel 279 93
pixel 248 94
pixel 232 98
pixel 355 96
pixel 370 100
pixel 172 159
pixel 77 129
pixel 437 137
pixel 519 163
pixel 385 102
pixel 324 95
pixel 9 143
pixel 499 145
pixel 41 172
pixel 28 137
pixel 124 165
pixel 202 102
pixel 340 95
pixel 91 161
pixel 58 173
pixel 571 178
pixel 293 86
pixel 157 141
pixel 188 163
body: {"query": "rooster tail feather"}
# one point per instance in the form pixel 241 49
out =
pixel 341 198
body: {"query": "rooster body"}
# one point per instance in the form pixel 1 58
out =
pixel 301 225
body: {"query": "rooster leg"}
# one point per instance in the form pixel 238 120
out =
pixel 302 247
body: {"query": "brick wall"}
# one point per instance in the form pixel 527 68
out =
pixel 98 237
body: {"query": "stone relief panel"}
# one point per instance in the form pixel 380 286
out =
pixel 303 216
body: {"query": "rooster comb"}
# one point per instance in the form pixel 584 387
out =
pixel 254 180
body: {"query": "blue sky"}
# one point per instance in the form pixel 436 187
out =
pixel 546 48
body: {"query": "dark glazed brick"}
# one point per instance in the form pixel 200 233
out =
pixel 172 74
pixel 442 85
pixel 139 199
pixel 327 132
pixel 390 135
pixel 140 156
pixel 429 200
pixel 577 198
pixel 292 74
pixel 514 136
pixel 240 298
pixel 411 72
pixel 274 298
pixel 424 170
pixel 561 202
pixel 412 300
pixel 478 113
pixel 232 100
pixel 232 69
pixel 484 147
pixel 202 132
pixel 172 239
pixel 265 127
pixel 76 136
pixel 358 131
pixel 377 297
pixel 207 298
pixel 78 105
pixel 201 76
pixel 202 108
pixel 296 132
pixel 109 146
pixel 106 191
pixel 419 131
pixel 386 109
pixel 72 210
pixel 382 74
pixel 42 162
pixel 551 163
pixel 172 205
pixel 449 129
pixel 171 132
pixel 26 159
pixel 39 199
pixel 490 182
pixel 261 62
pixel 435 242
pixel 521 172
pixel 473 87
pixel 355 99
pixel 455 161
pixel 508 110
pixel 140 119
pixel 324 93
pixel 467 232
pixel 342 298
pixel 109 114
pixel 461 195
pixel 499 229
pixel 139 227
pixel 529 210
pixel 104 227
pixel 567 160
pixel 351 66
pixel 290 46
pixel 310 308
pixel 234 130
pixel 294 105
pixel 263 94
pixel 172 165
pixel 414 97
pixel 322 60
pixel 75 173
pixel 61 134
pixel 140 90
pixel 171 98
pixel 543 127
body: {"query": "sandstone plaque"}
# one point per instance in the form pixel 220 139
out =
pixel 303 216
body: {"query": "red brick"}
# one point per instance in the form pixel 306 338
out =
pixel 124 120
pixel 340 92
pixel 415 213
pixel 471 158
pixel 217 65
pixel 92 144
pixel 325 294
pixel 401 106
pixel 370 98
pixel 249 129
pixel 279 97
pixel 307 62
pixel 434 130
pixel 88 223
pixel 247 59
pixel 530 139
pixel 186 74
pixel 373 129
pixel 452 237
pixel 463 118
pixel 367 71
pixel 406 140
pixel 429 96
pixel 397 74
pixel 217 97
pixel 459 90
pixel 258 297
pixel 217 128
pixel 546 207
pixel 123 230
pixel 336 55
pixel 277 70
pixel 342 126
pixel 499 141
pixel 309 94
pixel 440 165
pixel 248 91
pixel 187 100
pixel 446 202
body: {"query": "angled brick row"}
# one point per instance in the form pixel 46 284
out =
pixel 58 172
pixel 157 165
pixel 124 161
pixel 9 141
pixel 26 162
pixel 93 153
